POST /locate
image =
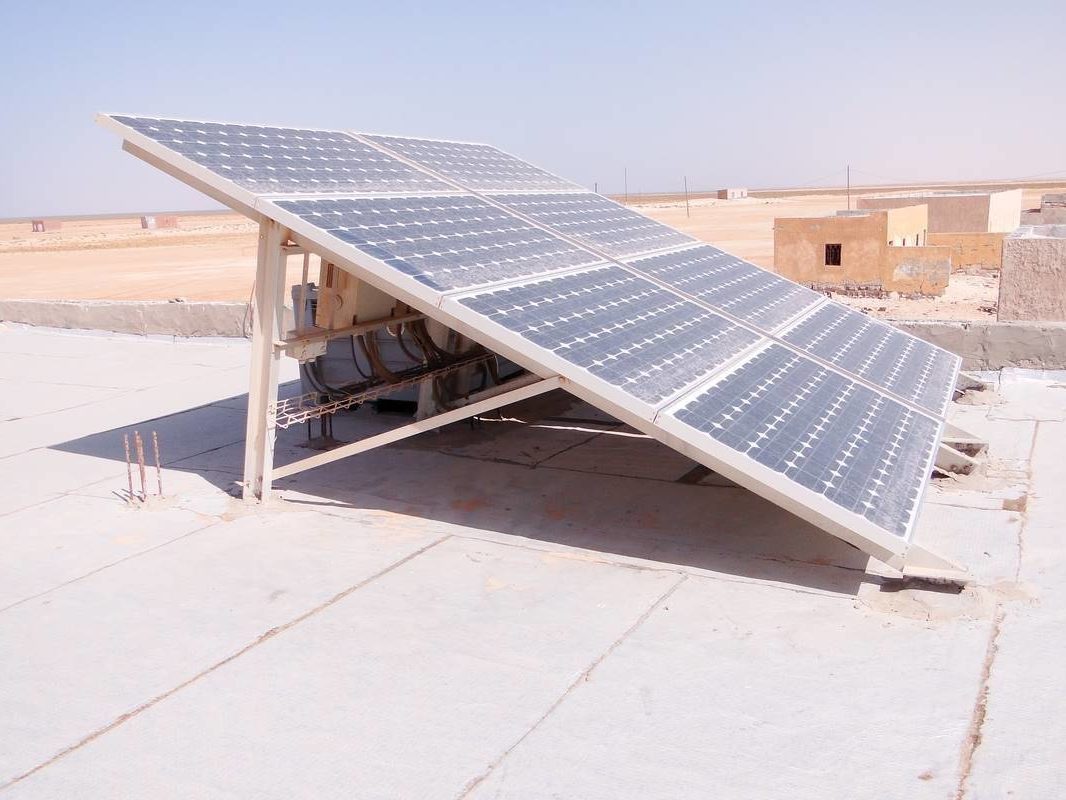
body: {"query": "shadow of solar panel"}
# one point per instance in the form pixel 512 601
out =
pixel 477 167
pixel 730 284
pixel 883 355
pixel 863 451
pixel 445 242
pixel 268 160
pixel 622 329
pixel 597 222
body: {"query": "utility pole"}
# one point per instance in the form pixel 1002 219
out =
pixel 686 196
pixel 596 187
pixel 848 173
pixel 625 185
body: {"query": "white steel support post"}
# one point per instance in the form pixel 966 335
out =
pixel 268 309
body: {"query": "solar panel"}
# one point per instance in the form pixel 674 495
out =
pixel 752 375
pixel 268 160
pixel 446 242
pixel 478 167
pixel 596 221
pixel 862 451
pixel 731 284
pixel 904 365
pixel 627 331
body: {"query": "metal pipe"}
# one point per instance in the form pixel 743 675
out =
pixel 129 463
pixel 138 443
pixel 158 463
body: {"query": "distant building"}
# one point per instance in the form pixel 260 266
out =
pixel 153 221
pixel 959 212
pixel 1032 285
pixel 732 194
pixel 1052 211
pixel 863 252
pixel 972 224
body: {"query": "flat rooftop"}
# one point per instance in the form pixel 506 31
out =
pixel 546 604
pixel 1039 232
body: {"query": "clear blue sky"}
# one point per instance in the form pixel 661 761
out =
pixel 744 93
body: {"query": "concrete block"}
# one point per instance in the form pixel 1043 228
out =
pixel 1032 285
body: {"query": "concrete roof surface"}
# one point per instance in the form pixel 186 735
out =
pixel 538 606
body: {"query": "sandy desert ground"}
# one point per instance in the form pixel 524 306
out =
pixel 211 256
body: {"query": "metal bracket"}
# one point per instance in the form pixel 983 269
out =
pixel 918 562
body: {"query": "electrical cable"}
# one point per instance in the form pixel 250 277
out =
pixel 403 346
pixel 373 357
pixel 355 360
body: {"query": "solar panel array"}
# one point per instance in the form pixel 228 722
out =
pixel 752 368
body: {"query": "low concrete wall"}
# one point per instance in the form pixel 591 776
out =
pixel 982 345
pixel 995 345
pixel 135 316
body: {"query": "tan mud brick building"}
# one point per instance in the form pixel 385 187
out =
pixel 870 252
pixel 972 224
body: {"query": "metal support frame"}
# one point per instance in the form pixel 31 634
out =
pixel 268 346
pixel 505 394
pixel 268 309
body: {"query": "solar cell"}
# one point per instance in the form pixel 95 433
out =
pixel 596 222
pixel 883 355
pixel 267 160
pixel 621 328
pixel 478 167
pixel 861 450
pixel 729 283
pixel 445 242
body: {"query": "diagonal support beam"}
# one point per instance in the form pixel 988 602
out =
pixel 502 398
